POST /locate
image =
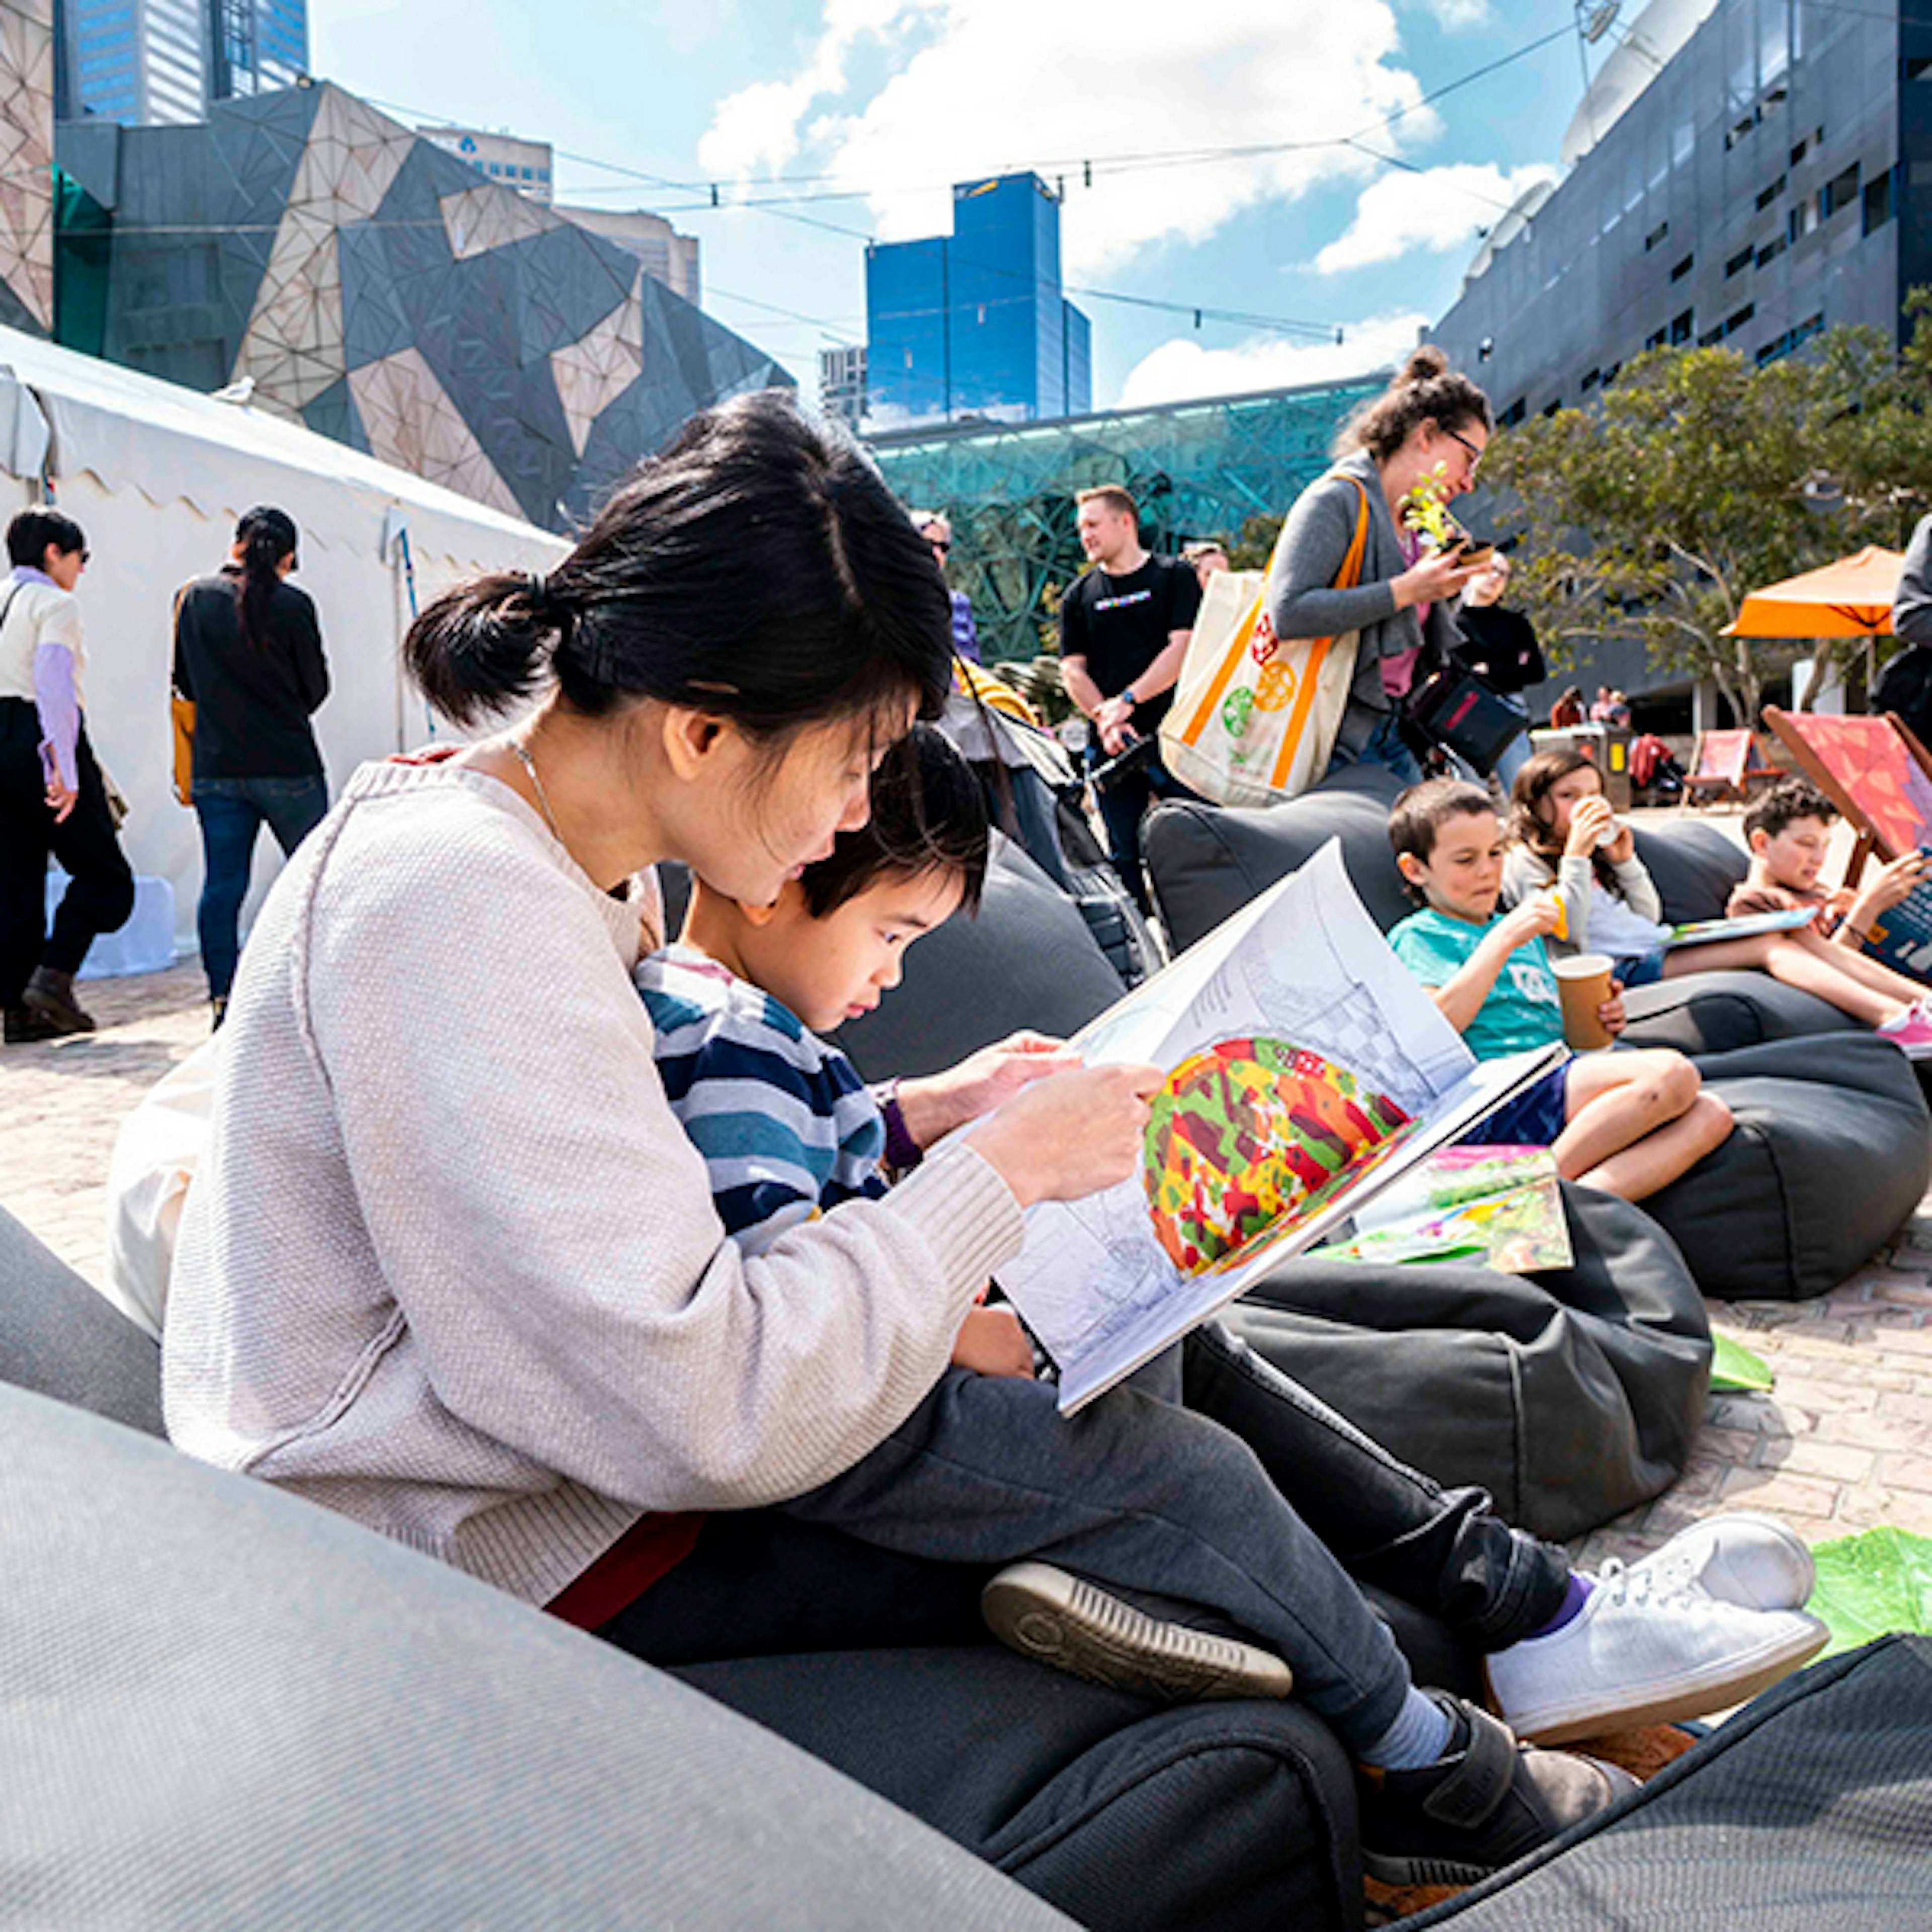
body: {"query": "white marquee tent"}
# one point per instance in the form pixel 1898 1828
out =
pixel 157 475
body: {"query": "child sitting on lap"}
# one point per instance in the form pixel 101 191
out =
pixel 786 1128
pixel 1788 830
pixel 1566 837
pixel 1626 1123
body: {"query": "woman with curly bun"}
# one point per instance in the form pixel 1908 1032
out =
pixel 1428 420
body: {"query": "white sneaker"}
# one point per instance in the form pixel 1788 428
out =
pixel 1077 1626
pixel 1635 1654
pixel 1740 1558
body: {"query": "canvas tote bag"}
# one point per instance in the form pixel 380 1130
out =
pixel 1255 718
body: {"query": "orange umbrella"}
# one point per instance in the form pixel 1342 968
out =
pixel 1849 598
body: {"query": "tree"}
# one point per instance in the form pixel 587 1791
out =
pixel 1698 478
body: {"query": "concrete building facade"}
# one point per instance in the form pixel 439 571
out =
pixel 1743 172
pixel 526 167
pixel 974 324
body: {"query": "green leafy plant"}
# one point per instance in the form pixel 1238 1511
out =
pixel 1424 508
pixel 1735 1370
pixel 1872 1584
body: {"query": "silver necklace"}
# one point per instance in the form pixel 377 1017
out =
pixel 529 764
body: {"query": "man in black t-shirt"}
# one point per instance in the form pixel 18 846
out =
pixel 1124 628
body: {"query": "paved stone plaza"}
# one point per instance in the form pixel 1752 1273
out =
pixel 1842 1444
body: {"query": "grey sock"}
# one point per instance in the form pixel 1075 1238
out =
pixel 1420 1735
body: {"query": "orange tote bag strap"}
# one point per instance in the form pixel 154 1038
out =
pixel 1349 578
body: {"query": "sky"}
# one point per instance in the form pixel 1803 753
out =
pixel 1356 204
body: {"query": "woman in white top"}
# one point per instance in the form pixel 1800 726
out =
pixel 52 798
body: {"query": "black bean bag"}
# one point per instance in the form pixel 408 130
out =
pixel 1810 1810
pixel 1829 1157
pixel 1570 1396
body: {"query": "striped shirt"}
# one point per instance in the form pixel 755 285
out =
pixel 786 1126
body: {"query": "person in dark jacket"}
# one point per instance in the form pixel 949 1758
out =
pixel 248 652
pixel 1499 647
pixel 1905 684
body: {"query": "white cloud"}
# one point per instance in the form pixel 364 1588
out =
pixel 1457 15
pixel 1439 209
pixel 1182 370
pixel 980 86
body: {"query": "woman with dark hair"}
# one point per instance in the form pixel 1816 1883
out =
pixel 1429 426
pixel 451 1265
pixel 248 653
pixel 52 798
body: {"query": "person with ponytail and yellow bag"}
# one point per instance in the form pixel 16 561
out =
pixel 248 657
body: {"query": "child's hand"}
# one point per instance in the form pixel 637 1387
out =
pixel 992 1343
pixel 1611 1015
pixel 1891 885
pixel 1532 919
pixel 1589 823
pixel 932 1107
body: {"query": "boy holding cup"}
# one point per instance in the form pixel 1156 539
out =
pixel 1627 1122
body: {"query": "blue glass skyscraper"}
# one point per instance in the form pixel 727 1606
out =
pixel 973 323
pixel 148 61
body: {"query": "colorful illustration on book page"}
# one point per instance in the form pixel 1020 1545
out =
pixel 1246 1132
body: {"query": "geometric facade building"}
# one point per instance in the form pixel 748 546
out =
pixel 1196 470
pixel 26 164
pixel 364 282
pixel 973 323
pixel 1745 172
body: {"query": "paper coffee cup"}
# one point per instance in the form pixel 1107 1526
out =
pixel 1582 984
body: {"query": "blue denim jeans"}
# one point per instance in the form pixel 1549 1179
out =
pixel 231 812
pixel 1386 746
pixel 1210 1481
pixel 1123 804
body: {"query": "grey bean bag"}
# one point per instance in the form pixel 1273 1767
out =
pixel 1810 1811
pixel 1570 1397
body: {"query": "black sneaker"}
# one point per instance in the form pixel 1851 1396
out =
pixel 50 995
pixel 1076 1626
pixel 1482 1805
pixel 24 1026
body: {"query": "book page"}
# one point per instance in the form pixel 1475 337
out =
pixel 1295 1012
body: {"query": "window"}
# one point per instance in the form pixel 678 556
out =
pixel 1801 220
pixel 1840 193
pixel 1798 153
pixel 1733 323
pixel 1915 67
pixel 1710 337
pixel 1655 236
pixel 1514 415
pixel 1767 195
pixel 1680 327
pixel 1679 270
pixel 1592 379
pixel 1741 259
pixel 1555 403
pixel 1771 251
pixel 1878 201
pixel 1658 340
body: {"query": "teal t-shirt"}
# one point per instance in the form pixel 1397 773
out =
pixel 1523 1009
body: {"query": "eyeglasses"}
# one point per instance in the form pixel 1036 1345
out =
pixel 1475 454
pixel 940 544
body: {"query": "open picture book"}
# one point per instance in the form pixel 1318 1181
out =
pixel 1306 1072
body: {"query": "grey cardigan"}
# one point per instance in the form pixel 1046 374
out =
pixel 1302 600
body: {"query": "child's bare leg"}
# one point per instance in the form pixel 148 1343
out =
pixel 1660 1156
pixel 1861 966
pixel 1614 1099
pixel 1773 953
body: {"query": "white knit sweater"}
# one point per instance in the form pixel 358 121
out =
pixel 450 1266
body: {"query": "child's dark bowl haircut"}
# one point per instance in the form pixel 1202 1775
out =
pixel 1421 812
pixel 929 815
pixel 1776 811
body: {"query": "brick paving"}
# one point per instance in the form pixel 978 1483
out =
pixel 1842 1443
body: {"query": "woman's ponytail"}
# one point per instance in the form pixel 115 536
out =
pixel 481 649
pixel 264 537
pixel 1426 390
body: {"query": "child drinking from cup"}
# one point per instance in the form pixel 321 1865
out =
pixel 1567 840
pixel 1627 1122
